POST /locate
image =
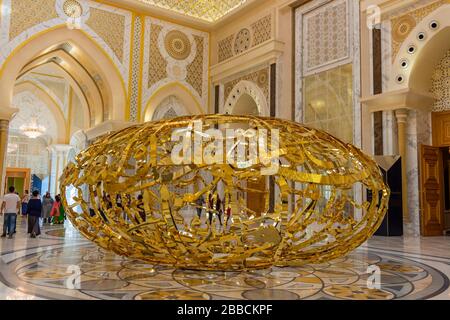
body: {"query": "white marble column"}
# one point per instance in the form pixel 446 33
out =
pixel 402 118
pixel 58 158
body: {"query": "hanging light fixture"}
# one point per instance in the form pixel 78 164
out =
pixel 33 129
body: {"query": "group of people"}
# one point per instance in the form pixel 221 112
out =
pixel 52 211
pixel 214 205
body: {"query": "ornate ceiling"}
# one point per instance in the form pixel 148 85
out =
pixel 206 10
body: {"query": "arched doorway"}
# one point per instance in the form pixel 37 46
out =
pixel 419 69
pixel 247 99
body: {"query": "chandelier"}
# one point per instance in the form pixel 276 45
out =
pixel 33 130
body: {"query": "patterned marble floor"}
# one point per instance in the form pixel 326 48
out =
pixel 414 268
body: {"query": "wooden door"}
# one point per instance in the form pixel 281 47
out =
pixel 432 191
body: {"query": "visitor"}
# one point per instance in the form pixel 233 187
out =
pixel 141 208
pixel 210 208
pixel 10 208
pixel 25 199
pixel 55 210
pixel 228 215
pixel 34 210
pixel 62 212
pixel 47 205
pixel 219 208
pixel 199 202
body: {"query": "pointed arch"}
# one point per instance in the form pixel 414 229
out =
pixel 172 89
pixel 251 89
pixel 51 104
pixel 89 50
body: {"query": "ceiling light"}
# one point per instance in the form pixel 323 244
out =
pixel 33 130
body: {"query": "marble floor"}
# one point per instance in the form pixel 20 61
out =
pixel 48 268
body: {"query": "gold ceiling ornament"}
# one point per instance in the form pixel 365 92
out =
pixel 206 10
pixel 136 192
pixel 73 9
pixel 177 45
pixel 402 27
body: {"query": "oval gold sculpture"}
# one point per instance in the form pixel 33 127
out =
pixel 289 193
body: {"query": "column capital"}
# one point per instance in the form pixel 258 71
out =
pixel 7 113
pixel 402 115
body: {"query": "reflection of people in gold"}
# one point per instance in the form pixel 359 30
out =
pixel 210 207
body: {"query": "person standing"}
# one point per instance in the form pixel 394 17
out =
pixel 210 207
pixel 62 212
pixel 10 208
pixel 47 205
pixel 55 210
pixel 199 202
pixel 34 210
pixel 219 208
pixel 25 199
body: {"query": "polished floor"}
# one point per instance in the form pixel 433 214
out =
pixel 44 268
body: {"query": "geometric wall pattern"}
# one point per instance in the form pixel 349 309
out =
pixel 441 85
pixel 326 35
pixel 136 69
pixel 175 54
pixel 258 32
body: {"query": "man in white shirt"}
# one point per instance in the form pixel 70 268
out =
pixel 10 207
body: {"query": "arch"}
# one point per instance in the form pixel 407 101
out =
pixel 251 89
pixel 54 108
pixel 92 109
pixel 427 53
pixel 172 89
pixel 170 105
pixel 87 47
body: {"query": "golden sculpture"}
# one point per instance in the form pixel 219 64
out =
pixel 287 191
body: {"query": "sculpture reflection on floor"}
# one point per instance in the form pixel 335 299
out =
pixel 150 192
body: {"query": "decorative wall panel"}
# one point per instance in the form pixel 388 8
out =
pixel 136 70
pixel 226 48
pixel 175 54
pixel 441 85
pixel 248 37
pixel 326 37
pixel 28 13
pixel 157 64
pixel 109 26
pixel 262 30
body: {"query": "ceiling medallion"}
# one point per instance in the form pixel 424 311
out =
pixel 177 45
pixel 73 9
pixel 242 41
pixel 403 27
